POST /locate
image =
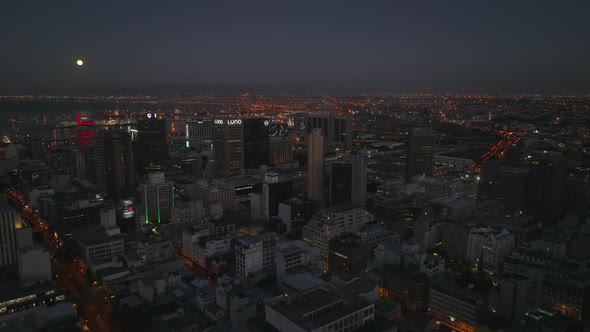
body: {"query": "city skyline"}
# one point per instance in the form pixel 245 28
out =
pixel 528 46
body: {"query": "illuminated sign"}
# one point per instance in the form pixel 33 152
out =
pixel 229 122
pixel 152 115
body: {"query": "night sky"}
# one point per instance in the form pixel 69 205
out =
pixel 323 46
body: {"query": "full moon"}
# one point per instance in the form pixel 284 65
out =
pixel 79 62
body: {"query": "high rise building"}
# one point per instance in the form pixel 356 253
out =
pixel 114 163
pixel 158 198
pixel 151 147
pixel 348 181
pixel 204 166
pixel 337 129
pixel 256 253
pixel 90 163
pixel 330 223
pixel 281 149
pixel 199 134
pixel 295 213
pixel 545 186
pixel 265 204
pixel 227 146
pixel 358 195
pixel 340 182
pixel 10 222
pixel 274 191
pixel 420 157
pixel 36 148
pixel 315 166
pixel 85 130
pixel 347 253
pixel 256 142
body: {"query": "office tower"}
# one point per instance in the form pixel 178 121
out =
pixel 337 129
pixel 204 166
pixel 315 166
pixel 85 130
pixel 114 163
pixel 545 186
pixel 348 181
pixel 90 163
pixel 151 147
pixel 256 253
pixel 504 182
pixel 34 173
pixel 332 222
pixel 340 182
pixel 359 179
pixel 256 142
pixel 78 167
pixel 10 222
pixel 347 253
pixel 227 147
pixel 199 134
pixel 514 297
pixel 36 148
pixel 158 198
pixel 274 191
pixel 420 157
pixel 295 213
pixel 281 149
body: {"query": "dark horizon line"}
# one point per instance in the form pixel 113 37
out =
pixel 225 90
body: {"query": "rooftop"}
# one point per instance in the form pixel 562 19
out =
pixel 90 234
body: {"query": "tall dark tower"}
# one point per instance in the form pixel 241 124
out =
pixel 545 188
pixel 227 146
pixel 256 142
pixel 36 148
pixel 151 147
pixel 340 182
pixel 420 158
pixel 114 163
pixel 315 167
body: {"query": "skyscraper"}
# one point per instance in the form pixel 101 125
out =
pixel 358 195
pixel 204 166
pixel 348 181
pixel 256 142
pixel 315 166
pixel 227 146
pixel 274 191
pixel 158 198
pixel 151 147
pixel 337 129
pixel 114 163
pixel 420 157
pixel 281 150
pixel 199 134
pixel 36 148
pixel 545 186
pixel 340 182
pixel 10 222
